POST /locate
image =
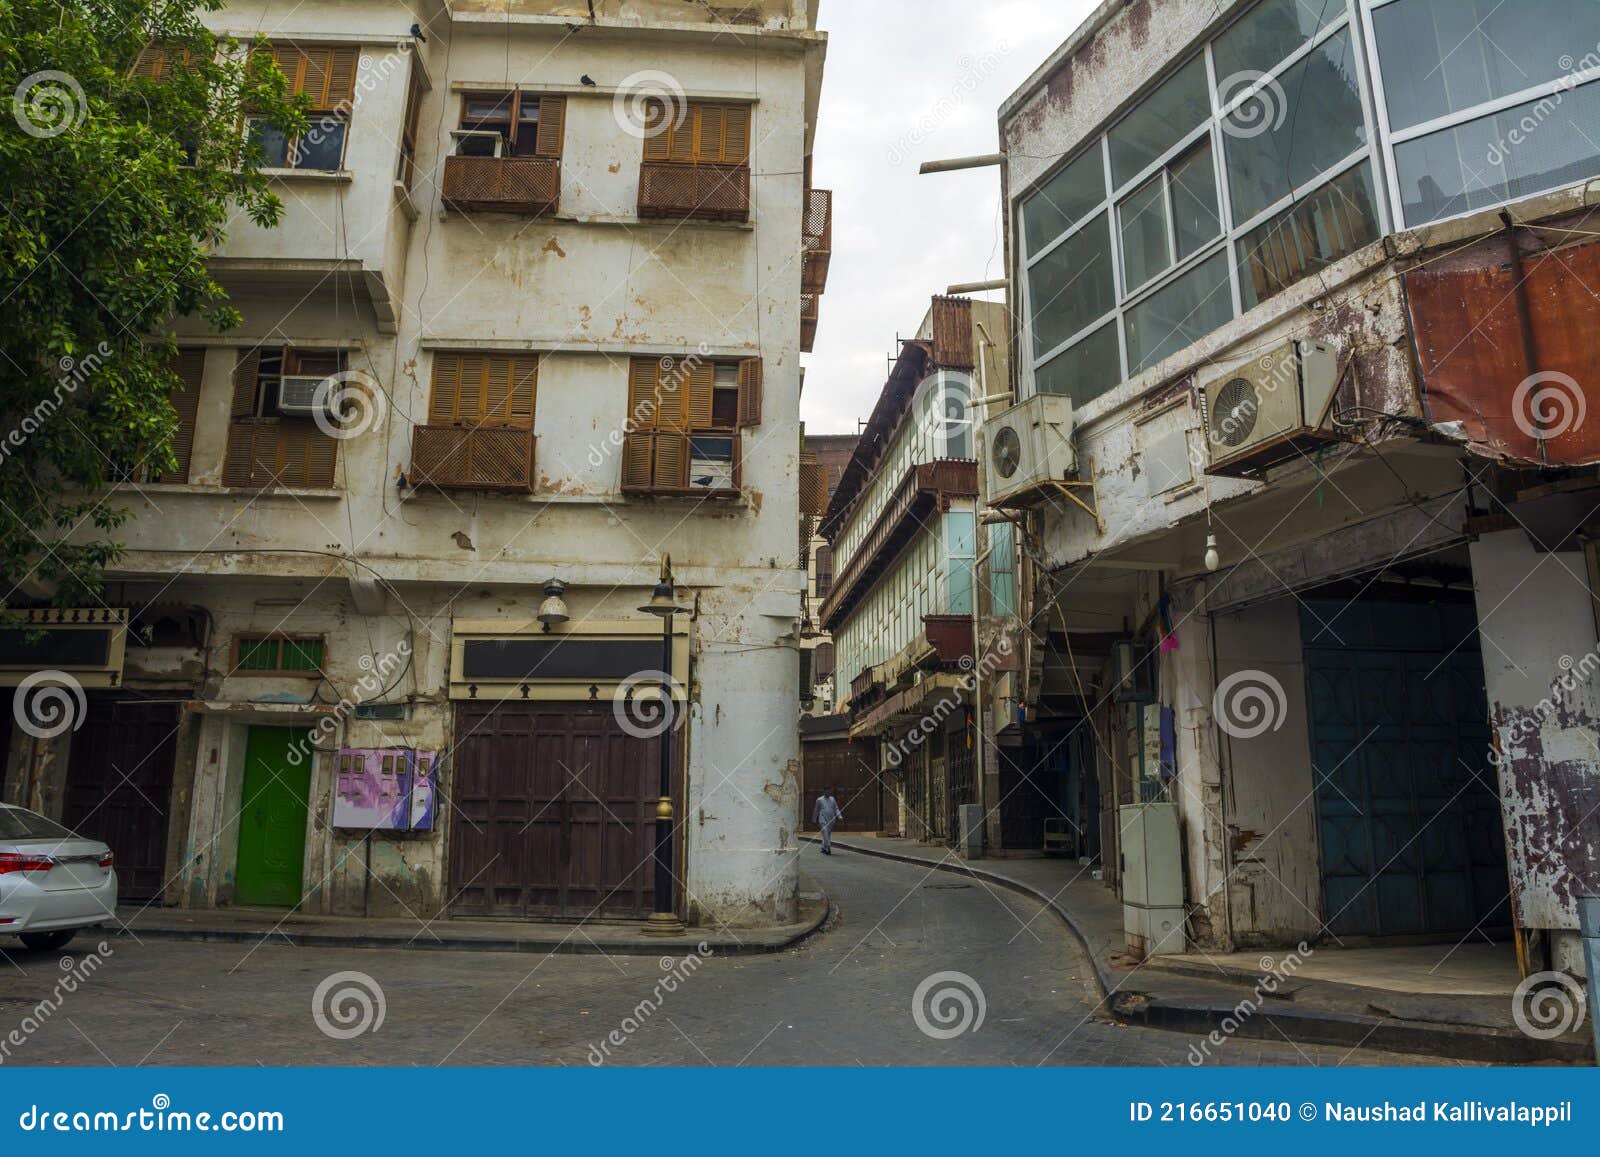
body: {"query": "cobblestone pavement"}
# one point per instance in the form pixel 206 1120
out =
pixel 845 997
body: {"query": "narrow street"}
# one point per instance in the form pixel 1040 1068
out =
pixel 844 997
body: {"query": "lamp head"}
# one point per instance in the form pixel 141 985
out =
pixel 553 611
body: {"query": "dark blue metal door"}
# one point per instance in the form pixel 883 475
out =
pixel 1408 811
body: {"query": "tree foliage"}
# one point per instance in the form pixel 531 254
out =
pixel 114 186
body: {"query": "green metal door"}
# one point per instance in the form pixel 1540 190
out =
pixel 272 821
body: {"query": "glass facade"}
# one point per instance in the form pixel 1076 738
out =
pixel 1300 133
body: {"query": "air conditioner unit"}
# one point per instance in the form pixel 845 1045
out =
pixel 298 396
pixel 1272 409
pixel 477 143
pixel 1027 448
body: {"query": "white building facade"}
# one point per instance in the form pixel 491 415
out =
pixel 552 263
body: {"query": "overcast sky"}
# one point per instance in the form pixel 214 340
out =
pixel 908 81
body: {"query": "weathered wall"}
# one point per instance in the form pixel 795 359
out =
pixel 1540 664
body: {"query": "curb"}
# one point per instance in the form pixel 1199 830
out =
pixel 563 945
pixel 1323 1028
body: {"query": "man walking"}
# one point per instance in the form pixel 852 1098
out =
pixel 826 813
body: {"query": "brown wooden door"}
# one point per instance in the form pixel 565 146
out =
pixel 119 788
pixel 554 813
pixel 851 769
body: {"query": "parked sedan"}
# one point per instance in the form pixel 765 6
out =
pixel 52 881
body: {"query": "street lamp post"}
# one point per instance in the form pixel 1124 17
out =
pixel 663 603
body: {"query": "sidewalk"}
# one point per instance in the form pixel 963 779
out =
pixel 257 926
pixel 1380 998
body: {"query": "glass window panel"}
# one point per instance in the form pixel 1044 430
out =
pixel 1271 31
pixel 274 144
pixel 1445 56
pixel 1194 201
pixel 1072 287
pixel 1528 149
pixel 1179 314
pixel 1160 121
pixel 1084 372
pixel 1065 199
pixel 322 148
pixel 1143 218
pixel 1300 125
pixel 1331 223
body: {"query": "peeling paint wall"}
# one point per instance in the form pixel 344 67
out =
pixel 1543 681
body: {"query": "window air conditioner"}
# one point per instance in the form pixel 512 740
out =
pixel 1272 409
pixel 298 396
pixel 1028 447
pixel 477 143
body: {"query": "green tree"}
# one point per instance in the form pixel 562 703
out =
pixel 114 185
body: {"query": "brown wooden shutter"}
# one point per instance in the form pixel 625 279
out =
pixel 702 389
pixel 708 145
pixel 190 369
pixel 750 389
pixel 239 467
pixel 672 462
pixel 736 134
pixel 245 372
pixel 154 63
pixel 552 125
pixel 342 65
pixel 637 456
pixel 642 403
pixel 495 404
pixel 672 393
pixel 684 132
pixel 327 75
pixel 657 131
pixel 321 454
pixel 524 389
pixel 444 402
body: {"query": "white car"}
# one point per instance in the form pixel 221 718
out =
pixel 52 882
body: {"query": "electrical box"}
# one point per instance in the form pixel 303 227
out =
pixel 1152 879
pixel 385 789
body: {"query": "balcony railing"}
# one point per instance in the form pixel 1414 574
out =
pixel 694 192
pixel 925 488
pixel 810 308
pixel 528 185
pixel 473 458
pixel 817 237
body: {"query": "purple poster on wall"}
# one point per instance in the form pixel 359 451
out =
pixel 384 789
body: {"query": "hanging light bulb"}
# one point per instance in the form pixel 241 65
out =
pixel 1213 556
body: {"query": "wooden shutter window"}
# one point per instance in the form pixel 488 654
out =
pixel 324 73
pixel 190 369
pixel 750 388
pixel 483 389
pixel 702 391
pixel 701 132
pixel 245 372
pixel 552 126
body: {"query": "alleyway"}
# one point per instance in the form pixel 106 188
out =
pixel 843 998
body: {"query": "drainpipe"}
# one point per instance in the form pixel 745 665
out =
pixel 1589 921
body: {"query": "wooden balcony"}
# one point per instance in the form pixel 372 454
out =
pixel 473 458
pixel 810 308
pixel 526 185
pixel 682 192
pixel 817 240
pixel 927 487
pixel 950 636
